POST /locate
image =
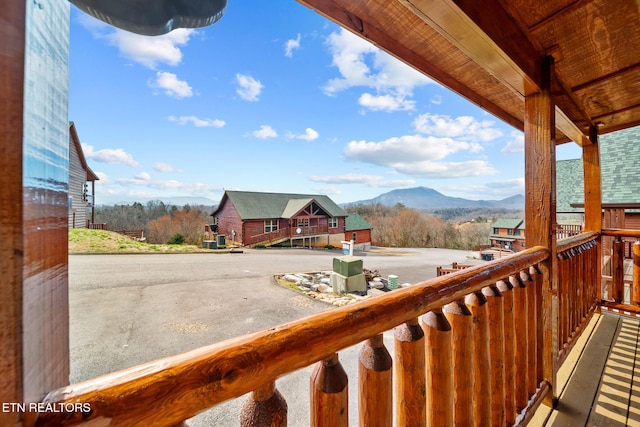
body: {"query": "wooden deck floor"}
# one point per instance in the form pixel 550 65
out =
pixel 599 383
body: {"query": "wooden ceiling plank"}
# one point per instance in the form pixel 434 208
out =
pixel 634 68
pixel 559 13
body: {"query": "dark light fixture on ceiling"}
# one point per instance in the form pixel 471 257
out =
pixel 154 17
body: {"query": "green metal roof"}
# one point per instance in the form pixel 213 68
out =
pixel 510 223
pixel 356 222
pixel 257 205
pixel 619 160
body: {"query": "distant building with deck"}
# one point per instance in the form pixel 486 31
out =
pixel 81 197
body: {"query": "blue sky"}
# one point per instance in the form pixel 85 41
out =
pixel 274 97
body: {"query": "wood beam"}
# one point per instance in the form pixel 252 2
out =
pixel 463 26
pixel 592 183
pixel 540 208
pixel 12 32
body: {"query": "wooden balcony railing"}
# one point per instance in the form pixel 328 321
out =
pixel 464 342
pixel 621 289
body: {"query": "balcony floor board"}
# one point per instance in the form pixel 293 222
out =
pixel 599 383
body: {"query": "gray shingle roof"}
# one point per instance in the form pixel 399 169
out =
pixel 619 160
pixel 257 205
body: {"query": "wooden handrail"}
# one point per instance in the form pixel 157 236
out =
pixel 175 388
pixel 574 241
pixel 620 232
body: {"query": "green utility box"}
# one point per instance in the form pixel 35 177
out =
pixel 347 266
pixel 343 284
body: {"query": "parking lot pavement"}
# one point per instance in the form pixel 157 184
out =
pixel 130 309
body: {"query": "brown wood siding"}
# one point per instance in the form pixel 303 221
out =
pixel 229 220
pixel 254 227
pixel 362 236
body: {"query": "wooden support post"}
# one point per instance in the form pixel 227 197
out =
pixel 506 289
pixel 478 306
pixel 495 319
pixel 410 375
pixel 265 407
pixel 461 322
pixel 439 369
pixel 540 207
pixel 375 387
pixel 329 394
pixel 617 262
pixel 521 329
pixel 635 294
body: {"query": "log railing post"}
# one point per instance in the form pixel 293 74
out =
pixel 635 294
pixel 496 354
pixel 478 306
pixel 461 322
pixel 521 354
pixel 618 270
pixel 506 289
pixel 375 387
pixel 439 369
pixel 410 374
pixel 329 394
pixel 536 276
pixel 532 358
pixel 265 407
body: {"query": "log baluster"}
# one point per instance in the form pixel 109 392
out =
pixel 439 369
pixel 410 374
pixel 536 276
pixel 375 385
pixel 563 277
pixel 635 294
pixel 617 272
pixel 477 304
pixel 532 327
pixel 265 407
pixel 506 289
pixel 495 320
pixel 461 321
pixel 521 355
pixel 329 394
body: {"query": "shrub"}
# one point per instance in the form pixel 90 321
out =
pixel 177 239
pixel 329 247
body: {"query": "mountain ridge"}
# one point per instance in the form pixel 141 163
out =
pixel 428 198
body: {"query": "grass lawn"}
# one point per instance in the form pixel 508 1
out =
pixel 85 241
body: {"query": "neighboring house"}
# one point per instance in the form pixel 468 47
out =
pixel 251 218
pixel 81 197
pixel 620 185
pixel 358 229
pixel 508 233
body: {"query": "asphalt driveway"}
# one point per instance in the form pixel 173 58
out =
pixel 130 309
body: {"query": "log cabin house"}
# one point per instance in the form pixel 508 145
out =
pixel 508 233
pixel 254 218
pixel 81 197
pixel 358 230
pixel 486 343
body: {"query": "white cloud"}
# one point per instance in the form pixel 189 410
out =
pixel 143 176
pixel 265 132
pixel 420 155
pixel 515 145
pixel 197 122
pixel 369 180
pixel 172 86
pixel 291 45
pixel 109 155
pixel 165 168
pixel 193 188
pixel 361 64
pixel 249 88
pixel 145 50
pixel 309 135
pixel 436 99
pixel 465 127
pixel 396 102
pixel 492 190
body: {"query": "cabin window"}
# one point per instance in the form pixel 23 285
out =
pixel 303 222
pixel 353 236
pixel 270 225
pixel 509 232
pixel 333 222
pixel 495 231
